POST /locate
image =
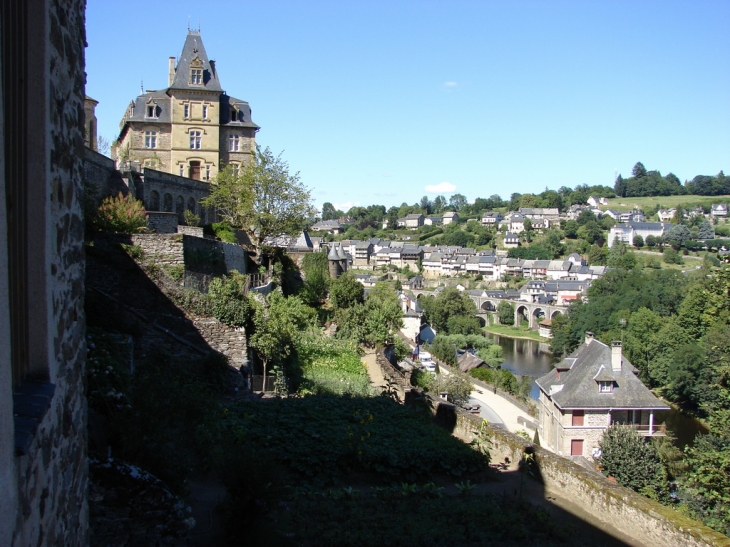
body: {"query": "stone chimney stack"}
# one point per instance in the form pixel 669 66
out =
pixel 589 337
pixel 171 71
pixel 616 356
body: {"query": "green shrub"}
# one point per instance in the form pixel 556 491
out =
pixel 224 232
pixel 230 305
pixel 135 252
pixel 191 219
pixel 176 271
pixel 120 214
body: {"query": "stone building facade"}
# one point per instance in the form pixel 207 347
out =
pixel 43 462
pixel 192 128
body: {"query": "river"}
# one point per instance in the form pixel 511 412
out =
pixel 526 358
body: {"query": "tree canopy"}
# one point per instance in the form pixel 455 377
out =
pixel 263 198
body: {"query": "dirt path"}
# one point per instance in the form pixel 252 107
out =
pixel 377 380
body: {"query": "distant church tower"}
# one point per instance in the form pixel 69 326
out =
pixel 335 262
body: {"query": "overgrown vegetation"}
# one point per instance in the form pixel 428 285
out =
pixel 119 214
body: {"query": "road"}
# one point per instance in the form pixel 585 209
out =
pixel 487 413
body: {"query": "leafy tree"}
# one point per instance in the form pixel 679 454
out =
pixel 672 257
pixel 506 313
pixel 597 255
pixel 571 229
pixel 120 214
pixel 458 201
pixel 706 486
pixel 633 462
pixel 591 232
pixel 706 230
pixel 276 327
pixel 329 212
pixel 346 291
pixel 638 170
pixel 439 203
pixel 638 241
pixel 678 233
pixel 451 302
pixel 651 241
pixel 426 205
pixel 528 201
pixel 373 322
pixel 263 198
pixel 315 268
pixel 463 324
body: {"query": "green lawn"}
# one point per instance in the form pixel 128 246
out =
pixel 514 332
pixel 624 204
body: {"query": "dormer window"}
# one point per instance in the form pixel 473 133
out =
pixel 605 387
pixel 234 115
pixel 196 76
pixel 151 111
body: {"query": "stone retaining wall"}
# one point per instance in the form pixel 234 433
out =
pixel 162 223
pixel 229 341
pixel 651 523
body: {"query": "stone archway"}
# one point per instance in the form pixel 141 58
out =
pixel 522 313
pixel 556 312
pixel 168 203
pixel 537 315
pixel 488 305
pixel 154 200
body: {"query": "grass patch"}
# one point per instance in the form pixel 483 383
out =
pixel 514 332
pixel 668 202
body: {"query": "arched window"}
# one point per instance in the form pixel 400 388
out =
pixel 154 201
pixel 180 205
pixel 168 203
pixel 191 205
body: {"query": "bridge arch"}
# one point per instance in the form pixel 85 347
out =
pixel 537 315
pixel 488 305
pixel 556 312
pixel 522 313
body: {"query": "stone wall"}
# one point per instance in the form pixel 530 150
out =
pixel 100 174
pixel 162 223
pixel 230 341
pixel 195 231
pixel 166 192
pixel 649 522
pixel 44 479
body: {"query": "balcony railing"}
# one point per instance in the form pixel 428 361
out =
pixel 643 429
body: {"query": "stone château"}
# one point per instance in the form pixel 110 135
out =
pixel 192 128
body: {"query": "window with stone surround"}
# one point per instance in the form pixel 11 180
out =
pixel 186 111
pixel 195 140
pixel 151 111
pixel 196 76
pixel 207 172
pixel 233 143
pixel 182 170
pixel 605 387
pixel 150 139
pixel 205 111
pixel 234 115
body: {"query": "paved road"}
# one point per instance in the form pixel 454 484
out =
pixel 487 413
pixel 509 414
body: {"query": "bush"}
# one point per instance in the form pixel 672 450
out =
pixel 633 462
pixel 230 305
pixel 672 257
pixel 224 232
pixel 191 219
pixel 120 215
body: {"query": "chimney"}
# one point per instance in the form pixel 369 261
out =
pixel 589 337
pixel 171 71
pixel 212 66
pixel 616 356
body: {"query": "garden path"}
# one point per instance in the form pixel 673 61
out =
pixel 377 380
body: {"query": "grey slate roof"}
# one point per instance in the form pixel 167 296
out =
pixel 576 385
pixel 194 48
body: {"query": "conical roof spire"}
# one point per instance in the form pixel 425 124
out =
pixel 333 255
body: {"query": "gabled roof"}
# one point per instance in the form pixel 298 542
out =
pixel 575 386
pixel 194 52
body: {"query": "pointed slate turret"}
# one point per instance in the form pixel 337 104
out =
pixel 193 56
pixel 342 256
pixel 335 266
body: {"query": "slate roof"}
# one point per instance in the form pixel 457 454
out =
pixel 468 361
pixel 576 385
pixel 194 48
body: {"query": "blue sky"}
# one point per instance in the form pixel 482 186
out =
pixel 385 102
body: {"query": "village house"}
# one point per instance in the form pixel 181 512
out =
pixel 413 221
pixel 666 215
pixel 587 392
pixel 363 250
pixel 535 213
pixel 432 220
pixel 595 201
pixel 626 231
pixel 491 219
pixel 449 217
pixel 516 223
pixel 719 210
pixel 331 226
pixel 511 240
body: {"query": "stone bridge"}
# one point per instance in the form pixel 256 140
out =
pixel 524 311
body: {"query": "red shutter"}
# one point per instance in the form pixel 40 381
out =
pixel 576 447
pixel 578 417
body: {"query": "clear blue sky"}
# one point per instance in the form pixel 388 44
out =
pixel 386 101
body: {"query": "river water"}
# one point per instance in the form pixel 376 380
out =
pixel 531 358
